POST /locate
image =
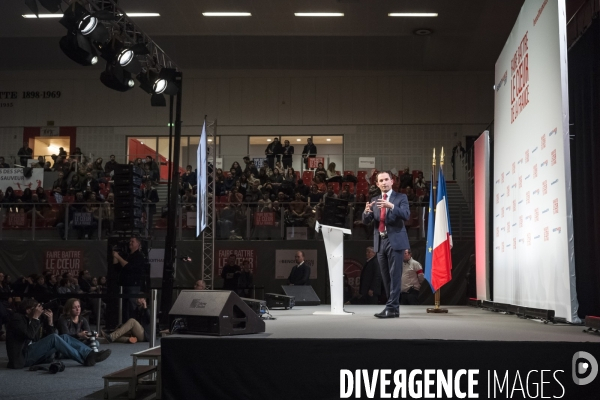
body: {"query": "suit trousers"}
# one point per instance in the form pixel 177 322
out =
pixel 390 264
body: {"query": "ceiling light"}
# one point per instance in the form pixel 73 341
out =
pixel 329 140
pixel 412 15
pixel 319 14
pixel 133 15
pixel 298 140
pixel 227 14
pixel 268 140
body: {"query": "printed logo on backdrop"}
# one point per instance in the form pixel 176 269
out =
pixel 543 144
pixel 285 261
pixel 264 218
pixel 352 270
pixel 502 81
pixel 17 219
pixel 519 82
pixel 553 157
pixel 60 261
pixel 14 178
pixel 240 257
pixel 82 218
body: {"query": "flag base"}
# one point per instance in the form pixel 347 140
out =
pixel 437 310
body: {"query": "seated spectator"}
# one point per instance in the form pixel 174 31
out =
pixel 330 193
pixel 35 207
pixel 51 282
pixel 299 211
pixel 406 179
pixel 350 194
pixel 276 179
pixel 102 284
pixel 188 200
pixel 332 175
pixel 26 196
pixel 200 285
pixel 76 186
pixel 30 341
pixel 277 209
pixel 242 185
pixel 48 166
pixel 350 178
pixel 10 196
pixel 39 287
pixel 237 170
pixel 283 199
pixel 65 286
pixel 40 162
pixel 419 182
pixel 189 176
pixel 235 198
pixel 302 189
pixel 250 167
pixel 251 179
pixel 72 324
pixel 98 169
pixel 41 194
pixel 262 176
pixel 253 194
pixel 410 194
pixel 3 164
pixel 91 184
pixel 321 171
pixel 315 195
pixel 268 189
pixel 229 182
pixel 319 181
pixel 135 329
pixel 110 165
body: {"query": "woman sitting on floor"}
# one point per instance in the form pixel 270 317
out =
pixel 73 324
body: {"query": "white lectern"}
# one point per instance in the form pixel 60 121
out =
pixel 334 245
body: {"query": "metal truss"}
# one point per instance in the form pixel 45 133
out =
pixel 208 235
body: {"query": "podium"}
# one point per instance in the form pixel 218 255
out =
pixel 334 246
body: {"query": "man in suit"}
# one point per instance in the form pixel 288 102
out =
pixel 370 280
pixel 300 273
pixel 286 157
pixel 389 211
pixel 273 149
pixel 309 151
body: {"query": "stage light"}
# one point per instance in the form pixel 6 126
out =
pixel 116 52
pixel 77 17
pixel 78 48
pixel 117 78
pixel 160 85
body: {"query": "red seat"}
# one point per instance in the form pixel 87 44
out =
pixel 338 173
pixel 336 187
pixel 362 176
pixel 363 190
pixel 420 192
pixel 348 173
pixel 307 176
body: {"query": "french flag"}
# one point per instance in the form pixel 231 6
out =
pixel 438 259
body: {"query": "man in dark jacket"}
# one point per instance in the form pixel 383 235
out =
pixel 134 271
pixel 370 280
pixel 30 341
pixel 300 273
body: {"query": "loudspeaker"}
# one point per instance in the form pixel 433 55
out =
pixel 304 295
pixel 279 301
pixel 214 312
pixel 258 306
pixel 128 198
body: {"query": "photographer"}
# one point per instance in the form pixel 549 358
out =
pixel 30 341
pixel 132 276
pixel 71 323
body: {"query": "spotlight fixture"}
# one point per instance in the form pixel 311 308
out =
pixel 117 78
pixel 158 84
pixel 77 17
pixel 78 48
pixel 166 82
pixel 117 52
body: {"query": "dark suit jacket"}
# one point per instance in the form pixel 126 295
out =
pixel 370 278
pixel 394 221
pixel 290 151
pixel 19 332
pixel 299 275
pixel 151 198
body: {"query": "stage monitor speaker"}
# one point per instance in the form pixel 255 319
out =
pixel 279 301
pixel 259 306
pixel 304 295
pixel 215 312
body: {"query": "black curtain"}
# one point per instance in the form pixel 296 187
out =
pixel 584 105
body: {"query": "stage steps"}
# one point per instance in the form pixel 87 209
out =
pixel 133 374
pixel 461 220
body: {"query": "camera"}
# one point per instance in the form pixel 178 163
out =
pixel 92 340
pixel 122 247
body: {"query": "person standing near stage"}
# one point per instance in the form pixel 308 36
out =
pixel 300 273
pixel 412 277
pixel 370 280
pixel 389 211
pixel 230 274
pixel 133 274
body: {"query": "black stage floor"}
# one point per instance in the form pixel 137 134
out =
pixel 306 356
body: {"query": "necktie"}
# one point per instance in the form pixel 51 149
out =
pixel 382 216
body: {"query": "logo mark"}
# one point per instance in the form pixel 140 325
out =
pixel 554 181
pixel 583 367
pixel 553 132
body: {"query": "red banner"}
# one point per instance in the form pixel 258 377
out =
pixel 17 219
pixel 313 162
pixel 60 261
pixel 264 218
pixel 240 257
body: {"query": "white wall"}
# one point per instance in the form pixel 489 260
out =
pixel 397 116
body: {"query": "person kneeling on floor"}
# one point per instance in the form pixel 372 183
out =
pixel 30 341
pixel 135 329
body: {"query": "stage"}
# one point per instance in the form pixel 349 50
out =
pixel 302 355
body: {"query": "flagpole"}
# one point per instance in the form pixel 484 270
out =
pixel 436 309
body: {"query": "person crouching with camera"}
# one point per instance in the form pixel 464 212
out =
pixel 73 324
pixel 31 341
